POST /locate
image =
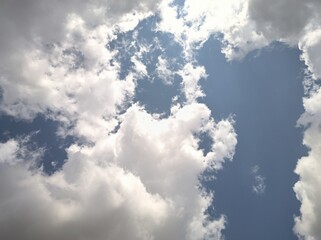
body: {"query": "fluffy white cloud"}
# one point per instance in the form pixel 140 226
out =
pixel 54 60
pixel 311 47
pixel 137 174
pixel 54 54
pixel 138 183
pixel 245 25
pixel 8 151
pixel 196 21
pixel 308 188
pixel 14 152
pixel 191 76
pixel 84 201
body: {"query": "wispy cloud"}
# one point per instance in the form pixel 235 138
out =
pixel 258 186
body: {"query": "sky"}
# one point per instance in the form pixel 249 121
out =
pixel 168 119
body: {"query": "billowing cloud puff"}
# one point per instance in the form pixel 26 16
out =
pixel 51 48
pixel 311 46
pixel 140 182
pixel 136 174
pixel 196 21
pixel 294 22
pixel 308 188
pixel 245 25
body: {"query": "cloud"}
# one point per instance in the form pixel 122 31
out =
pixel 54 61
pixel 90 203
pixel 58 46
pixel 137 183
pixel 259 181
pixel 308 187
pixel 194 22
pixel 298 23
pixel 191 76
pixel 136 174
pixel 311 46
pixel 245 25
pixel 286 19
pixel 163 70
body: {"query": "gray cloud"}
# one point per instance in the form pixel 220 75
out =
pixel 283 19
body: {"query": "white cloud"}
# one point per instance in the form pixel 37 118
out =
pixel 308 168
pixel 252 24
pixel 198 20
pixel 259 181
pixel 138 183
pixel 64 75
pixel 84 201
pixel 15 152
pixel 139 66
pixel 59 47
pixel 311 47
pixel 164 71
pixel 191 76
pixel 58 66
pixel 246 25
pixel 298 23
pixel 8 151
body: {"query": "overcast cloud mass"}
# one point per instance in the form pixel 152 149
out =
pixel 131 173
